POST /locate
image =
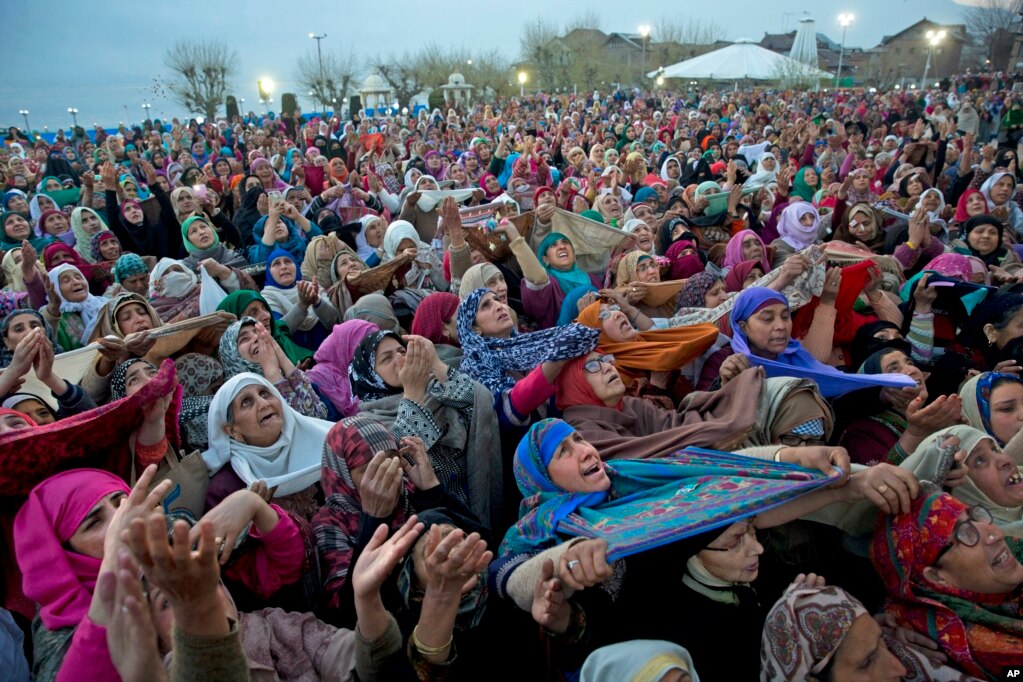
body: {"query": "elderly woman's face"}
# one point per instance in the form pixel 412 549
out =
pixel 257 416
pixel 606 383
pixel 427 184
pixel 73 287
pixel 493 318
pixel 897 362
pixel 61 257
pixel 283 270
pixel 576 467
pixel 389 361
pixel 989 567
pixel 930 201
pixel 46 203
pixel 735 554
pixel 995 474
pixel 768 330
pixel 752 248
pixel 616 324
pixel 975 204
pixel 647 270
pixel 137 284
pixel 346 264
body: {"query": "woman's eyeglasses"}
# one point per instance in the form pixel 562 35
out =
pixel 605 313
pixel 593 366
pixel 965 532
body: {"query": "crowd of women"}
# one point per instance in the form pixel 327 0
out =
pixel 599 387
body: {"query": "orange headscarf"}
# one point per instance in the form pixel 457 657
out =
pixel 657 350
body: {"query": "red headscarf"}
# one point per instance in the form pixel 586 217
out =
pixel 50 254
pixel 573 388
pixel 737 275
pixel 902 547
pixel 961 215
pixel 435 310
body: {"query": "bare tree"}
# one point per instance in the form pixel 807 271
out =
pixel 586 19
pixel 536 43
pixel 992 24
pixel 688 31
pixel 202 72
pixel 332 82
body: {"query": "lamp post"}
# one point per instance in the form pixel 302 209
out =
pixel 146 106
pixel 644 31
pixel 522 84
pixel 24 115
pixel 74 115
pixel 319 56
pixel 934 38
pixel 844 20
pixel 265 86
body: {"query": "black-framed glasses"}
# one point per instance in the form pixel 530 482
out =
pixel 965 532
pixel 593 366
pixel 605 313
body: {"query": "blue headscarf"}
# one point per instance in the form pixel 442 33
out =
pixel 10 194
pixel 274 255
pixel 488 360
pixel 570 306
pixel 796 361
pixel 567 280
pixel 652 502
pixel 295 245
pixel 976 395
pixel 509 166
pixel 143 193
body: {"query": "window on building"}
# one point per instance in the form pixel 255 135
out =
pixel 898 50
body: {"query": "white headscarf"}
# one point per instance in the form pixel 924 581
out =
pixel 89 308
pixel 762 177
pixel 363 248
pixel 398 231
pixel 638 659
pixel 171 284
pixel 292 463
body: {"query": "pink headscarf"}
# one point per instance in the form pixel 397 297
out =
pixel 733 251
pixel 952 265
pixel 793 232
pixel 59 580
pixel 330 374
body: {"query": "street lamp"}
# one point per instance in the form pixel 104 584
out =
pixel 644 31
pixel 933 39
pixel 844 20
pixel 265 86
pixel 146 106
pixel 522 83
pixel 74 115
pixel 24 114
pixel 319 56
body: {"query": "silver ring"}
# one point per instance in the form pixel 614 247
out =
pixel 882 488
pixel 572 564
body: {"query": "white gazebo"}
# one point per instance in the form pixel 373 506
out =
pixel 375 92
pixel 743 60
pixel 457 91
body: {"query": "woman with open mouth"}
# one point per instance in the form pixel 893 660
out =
pixel 948 568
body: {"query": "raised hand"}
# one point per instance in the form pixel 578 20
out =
pixel 131 635
pixel 454 561
pixel 416 463
pixel 380 486
pixel 381 555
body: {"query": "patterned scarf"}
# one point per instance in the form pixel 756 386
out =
pixel 350 444
pixel 488 360
pixel 652 502
pixel 366 383
pixel 980 633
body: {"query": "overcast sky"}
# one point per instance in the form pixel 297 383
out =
pixel 100 55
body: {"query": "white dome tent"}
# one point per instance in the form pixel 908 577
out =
pixel 743 60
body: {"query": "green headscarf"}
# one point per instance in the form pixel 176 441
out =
pixel 192 248
pixel 62 197
pixel 6 243
pixel 236 303
pixel 566 279
pixel 800 187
